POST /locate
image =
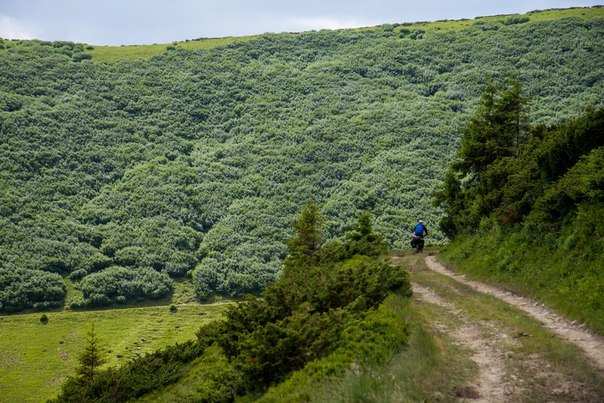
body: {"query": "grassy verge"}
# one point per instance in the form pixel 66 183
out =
pixel 35 359
pixel 115 53
pixel 565 279
pixel 427 369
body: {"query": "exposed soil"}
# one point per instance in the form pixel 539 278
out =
pixel 489 387
pixel 590 343
pixel 505 374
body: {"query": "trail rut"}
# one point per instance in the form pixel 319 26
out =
pixel 489 386
pixel 591 344
pixel 515 358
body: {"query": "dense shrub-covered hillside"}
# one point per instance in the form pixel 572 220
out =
pixel 525 205
pixel 194 160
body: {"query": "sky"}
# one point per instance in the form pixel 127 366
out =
pixel 130 22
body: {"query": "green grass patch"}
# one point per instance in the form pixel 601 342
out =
pixel 183 292
pixel 35 359
pixel 115 53
pixel 73 294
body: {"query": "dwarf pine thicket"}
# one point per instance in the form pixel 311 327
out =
pixel 325 309
pixel 193 161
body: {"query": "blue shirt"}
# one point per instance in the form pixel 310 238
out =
pixel 420 229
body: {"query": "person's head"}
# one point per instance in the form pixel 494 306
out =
pixel 420 222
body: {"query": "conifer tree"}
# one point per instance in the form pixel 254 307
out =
pixel 362 240
pixel 495 131
pixel 364 228
pixel 308 228
pixel 91 358
pixel 309 231
pixel 492 137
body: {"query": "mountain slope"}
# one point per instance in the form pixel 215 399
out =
pixel 196 159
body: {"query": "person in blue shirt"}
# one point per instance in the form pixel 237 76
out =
pixel 417 238
pixel 420 229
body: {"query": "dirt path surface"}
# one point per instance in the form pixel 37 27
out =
pixel 510 348
pixel 591 344
pixel 489 386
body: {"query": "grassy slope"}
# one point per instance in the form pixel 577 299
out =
pixel 35 359
pixel 114 53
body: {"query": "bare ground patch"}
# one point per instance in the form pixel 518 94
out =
pixel 591 344
pixel 494 383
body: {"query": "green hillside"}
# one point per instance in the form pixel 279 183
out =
pixel 115 53
pixel 127 174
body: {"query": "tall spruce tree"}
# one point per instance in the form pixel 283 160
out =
pixel 496 130
pixel 472 187
pixel 362 240
pixel 91 358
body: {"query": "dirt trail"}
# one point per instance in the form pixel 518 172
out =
pixel 514 359
pixel 591 344
pixel 490 385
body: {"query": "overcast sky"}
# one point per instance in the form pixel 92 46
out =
pixel 126 22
